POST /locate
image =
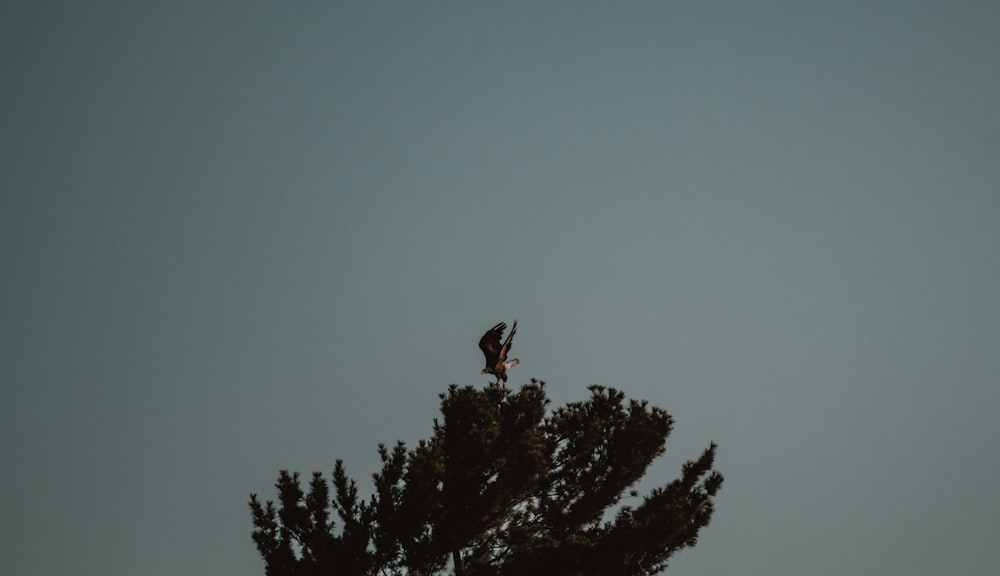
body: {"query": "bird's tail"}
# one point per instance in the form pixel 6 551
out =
pixel 511 363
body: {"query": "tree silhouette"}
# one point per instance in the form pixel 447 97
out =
pixel 500 488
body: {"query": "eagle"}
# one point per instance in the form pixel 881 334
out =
pixel 496 354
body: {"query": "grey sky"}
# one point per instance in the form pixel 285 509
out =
pixel 239 237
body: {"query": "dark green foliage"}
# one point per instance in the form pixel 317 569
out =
pixel 500 488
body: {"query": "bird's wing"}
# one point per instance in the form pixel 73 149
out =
pixel 506 344
pixel 490 343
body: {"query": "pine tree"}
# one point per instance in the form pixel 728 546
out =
pixel 500 488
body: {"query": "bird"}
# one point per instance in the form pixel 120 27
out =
pixel 496 354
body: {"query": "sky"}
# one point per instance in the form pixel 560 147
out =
pixel 240 237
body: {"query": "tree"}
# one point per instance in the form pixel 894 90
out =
pixel 500 488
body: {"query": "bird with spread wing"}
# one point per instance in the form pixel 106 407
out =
pixel 496 354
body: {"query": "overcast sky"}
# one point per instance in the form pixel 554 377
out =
pixel 244 236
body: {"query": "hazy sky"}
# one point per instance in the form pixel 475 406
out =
pixel 244 236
